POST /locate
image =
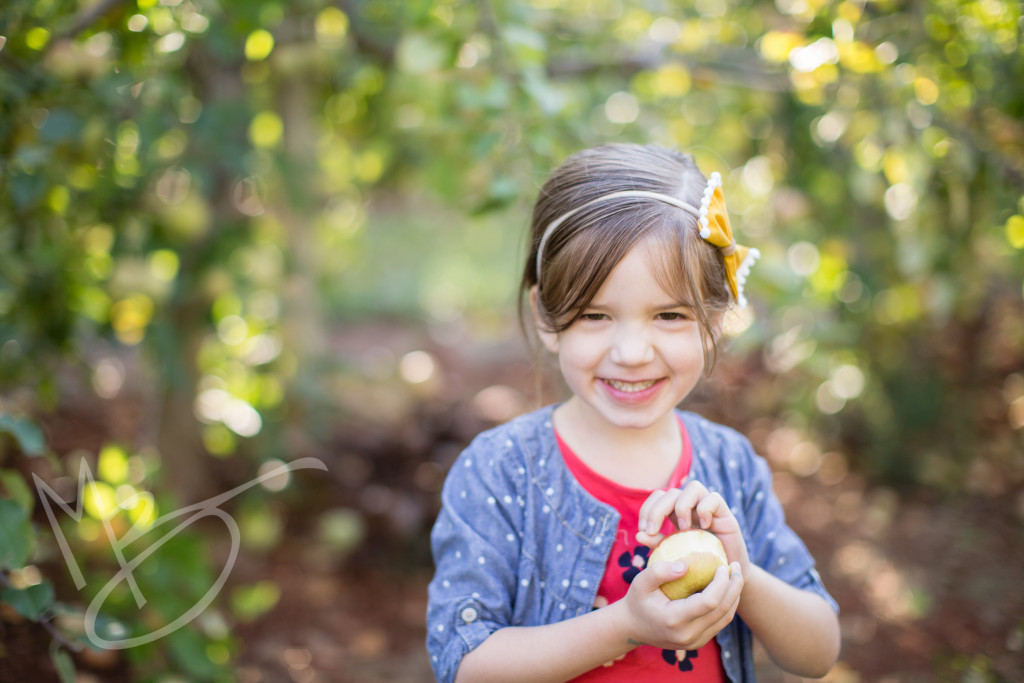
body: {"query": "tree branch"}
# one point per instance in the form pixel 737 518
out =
pixel 86 18
pixel 737 69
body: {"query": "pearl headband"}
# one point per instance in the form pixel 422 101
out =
pixel 714 229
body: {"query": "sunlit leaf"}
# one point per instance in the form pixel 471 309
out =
pixel 252 601
pixel 37 38
pixel 112 464
pixel 420 53
pixel 100 500
pixel 259 45
pixel 331 26
pixel 1015 231
pixel 17 490
pixel 266 129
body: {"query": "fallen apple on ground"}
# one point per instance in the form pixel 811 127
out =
pixel 702 552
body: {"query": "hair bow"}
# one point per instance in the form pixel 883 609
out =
pixel 715 229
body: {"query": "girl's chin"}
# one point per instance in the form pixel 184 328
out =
pixel 622 425
pixel 618 416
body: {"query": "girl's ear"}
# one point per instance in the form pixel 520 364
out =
pixel 549 339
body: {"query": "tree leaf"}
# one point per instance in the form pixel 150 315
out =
pixel 251 602
pixel 29 437
pixel 188 649
pixel 62 663
pixel 61 125
pixel 17 490
pixel 29 602
pixel 15 534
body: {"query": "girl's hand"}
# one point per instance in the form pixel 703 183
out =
pixel 686 624
pixel 690 507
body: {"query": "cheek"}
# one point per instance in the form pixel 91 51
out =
pixel 579 352
pixel 689 354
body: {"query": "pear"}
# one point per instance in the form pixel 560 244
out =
pixel 702 552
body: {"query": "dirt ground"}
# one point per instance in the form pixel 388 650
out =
pixel 929 586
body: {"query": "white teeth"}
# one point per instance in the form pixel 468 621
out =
pixel 631 387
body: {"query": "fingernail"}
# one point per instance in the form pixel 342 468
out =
pixel 678 567
pixel 643 525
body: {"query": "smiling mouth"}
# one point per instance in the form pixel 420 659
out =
pixel 631 387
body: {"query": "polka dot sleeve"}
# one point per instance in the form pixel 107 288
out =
pixel 476 547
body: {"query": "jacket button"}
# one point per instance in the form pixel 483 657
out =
pixel 469 615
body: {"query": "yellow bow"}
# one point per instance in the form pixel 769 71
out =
pixel 715 229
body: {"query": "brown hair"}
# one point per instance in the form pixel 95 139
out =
pixel 585 248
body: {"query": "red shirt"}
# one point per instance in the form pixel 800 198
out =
pixel 628 558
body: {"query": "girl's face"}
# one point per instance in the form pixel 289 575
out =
pixel 635 353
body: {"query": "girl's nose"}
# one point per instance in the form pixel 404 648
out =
pixel 632 346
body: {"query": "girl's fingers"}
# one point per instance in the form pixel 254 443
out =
pixel 691 505
pixel 708 508
pixel 715 592
pixel 649 540
pixel 731 599
pixel 711 610
pixel 653 511
pixel 657 573
pixel 686 501
pixel 721 597
pixel 649 503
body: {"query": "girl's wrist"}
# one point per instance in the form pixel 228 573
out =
pixel 753 582
pixel 621 621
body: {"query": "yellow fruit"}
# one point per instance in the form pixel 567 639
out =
pixel 702 552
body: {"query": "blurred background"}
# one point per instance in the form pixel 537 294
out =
pixel 235 233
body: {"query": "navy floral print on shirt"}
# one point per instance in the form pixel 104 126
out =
pixel 680 658
pixel 634 562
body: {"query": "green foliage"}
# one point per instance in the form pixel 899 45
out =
pixel 63 663
pixel 31 602
pixel 26 434
pixel 171 581
pixel 209 183
pixel 15 535
pixel 252 601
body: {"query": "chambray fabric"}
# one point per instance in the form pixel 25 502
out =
pixel 519 542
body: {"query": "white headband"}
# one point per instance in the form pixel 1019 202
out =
pixel 553 225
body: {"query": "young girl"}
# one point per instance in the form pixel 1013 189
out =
pixel 541 545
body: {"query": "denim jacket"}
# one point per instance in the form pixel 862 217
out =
pixel 520 542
